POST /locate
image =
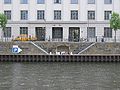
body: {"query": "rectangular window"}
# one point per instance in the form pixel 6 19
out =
pixel 74 1
pixel 57 1
pixel 74 14
pixel 40 1
pixel 24 15
pixel 24 30
pixel 91 1
pixel 7 32
pixel 91 32
pixel 57 33
pixel 108 1
pixel 57 14
pixel 91 15
pixel 107 15
pixel 7 1
pixel 40 15
pixel 24 1
pixel 74 34
pixel 8 14
pixel 107 32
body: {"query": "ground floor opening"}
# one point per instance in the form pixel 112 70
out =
pixel 40 33
pixel 57 33
pixel 74 34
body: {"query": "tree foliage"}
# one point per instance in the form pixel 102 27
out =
pixel 115 22
pixel 3 21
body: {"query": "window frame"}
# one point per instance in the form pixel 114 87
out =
pixel 91 32
pixel 40 14
pixel 91 16
pixel 8 15
pixel 57 13
pixel 7 32
pixel 7 1
pixel 108 2
pixel 72 2
pixel 75 16
pixel 24 30
pixel 40 2
pixel 107 15
pixel 91 2
pixel 24 15
pixel 57 32
pixel 57 1
pixel 106 33
pixel 23 2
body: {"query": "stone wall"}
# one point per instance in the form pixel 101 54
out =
pixel 104 48
pixel 27 48
pixel 74 47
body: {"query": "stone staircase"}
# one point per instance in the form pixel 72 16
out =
pixel 103 48
pixel 75 47
pixel 81 47
pixel 27 48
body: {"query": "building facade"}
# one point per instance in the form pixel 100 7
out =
pixel 60 20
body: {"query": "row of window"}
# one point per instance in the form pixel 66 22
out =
pixel 57 1
pixel 91 32
pixel 57 15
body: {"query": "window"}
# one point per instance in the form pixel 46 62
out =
pixel 40 33
pixel 24 15
pixel 24 1
pixel 91 1
pixel 40 1
pixel 8 14
pixel 91 15
pixel 74 1
pixel 107 15
pixel 57 32
pixel 24 30
pixel 7 1
pixel 57 1
pixel 108 1
pixel 57 14
pixel 107 32
pixel 40 14
pixel 74 34
pixel 7 32
pixel 74 14
pixel 91 32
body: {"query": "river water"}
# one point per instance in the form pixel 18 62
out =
pixel 59 76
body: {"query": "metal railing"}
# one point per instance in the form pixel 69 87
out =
pixel 95 39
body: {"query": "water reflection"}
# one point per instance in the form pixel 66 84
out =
pixel 59 76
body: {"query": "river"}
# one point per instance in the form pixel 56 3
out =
pixel 59 76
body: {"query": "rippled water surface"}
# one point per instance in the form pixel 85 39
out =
pixel 59 76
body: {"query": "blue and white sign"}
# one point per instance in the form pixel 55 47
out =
pixel 16 49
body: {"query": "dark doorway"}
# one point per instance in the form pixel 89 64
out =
pixel 57 33
pixel 74 34
pixel 40 33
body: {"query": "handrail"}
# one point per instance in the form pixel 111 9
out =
pixel 39 47
pixel 86 48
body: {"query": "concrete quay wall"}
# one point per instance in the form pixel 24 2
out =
pixel 59 58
